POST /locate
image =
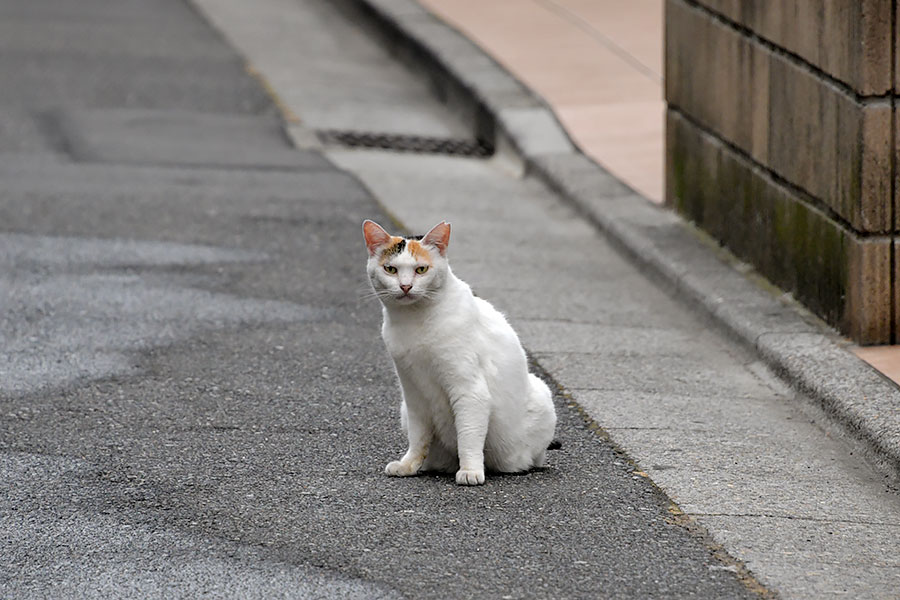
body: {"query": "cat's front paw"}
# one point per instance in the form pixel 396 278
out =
pixel 470 477
pixel 399 468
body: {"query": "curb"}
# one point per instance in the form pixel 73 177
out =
pixel 803 351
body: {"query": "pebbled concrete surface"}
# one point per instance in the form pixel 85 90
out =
pixel 101 553
pixel 77 308
pixel 202 407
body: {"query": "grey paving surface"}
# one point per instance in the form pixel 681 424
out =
pixel 100 553
pixel 98 54
pixel 195 401
pixel 178 138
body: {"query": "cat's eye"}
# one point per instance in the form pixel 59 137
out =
pixel 422 269
pixel 390 269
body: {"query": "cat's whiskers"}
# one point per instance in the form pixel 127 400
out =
pixel 370 294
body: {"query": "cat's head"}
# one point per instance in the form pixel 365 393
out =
pixel 404 271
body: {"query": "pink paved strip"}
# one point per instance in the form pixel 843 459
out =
pixel 597 63
pixel 885 359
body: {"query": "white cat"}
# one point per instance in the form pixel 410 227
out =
pixel 469 401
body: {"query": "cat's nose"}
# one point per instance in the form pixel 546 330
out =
pixel 405 288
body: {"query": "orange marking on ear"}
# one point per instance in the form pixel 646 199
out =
pixel 419 252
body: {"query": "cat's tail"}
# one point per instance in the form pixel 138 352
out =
pixel 555 445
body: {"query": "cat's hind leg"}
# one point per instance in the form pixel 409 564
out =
pixel 440 459
pixel 544 426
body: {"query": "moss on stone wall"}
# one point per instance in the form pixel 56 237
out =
pixel 790 241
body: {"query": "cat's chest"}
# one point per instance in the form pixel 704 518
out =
pixel 421 343
pixel 435 348
pixel 420 359
pixel 426 386
pixel 413 355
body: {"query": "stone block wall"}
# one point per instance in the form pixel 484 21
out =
pixel 782 143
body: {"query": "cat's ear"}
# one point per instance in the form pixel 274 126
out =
pixel 439 237
pixel 375 235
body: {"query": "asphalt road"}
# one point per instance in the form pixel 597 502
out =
pixel 194 399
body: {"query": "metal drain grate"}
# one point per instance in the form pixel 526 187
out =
pixel 406 143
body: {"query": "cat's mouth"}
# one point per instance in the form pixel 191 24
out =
pixel 406 298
